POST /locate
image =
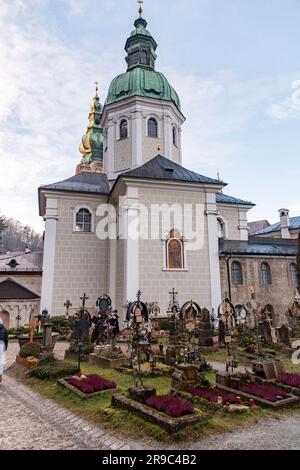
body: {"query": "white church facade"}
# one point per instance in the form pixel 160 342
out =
pixel 132 159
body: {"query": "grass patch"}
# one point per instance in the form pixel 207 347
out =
pixel 99 412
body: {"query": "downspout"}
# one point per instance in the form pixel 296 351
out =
pixel 228 258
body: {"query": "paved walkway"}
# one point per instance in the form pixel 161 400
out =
pixel 29 421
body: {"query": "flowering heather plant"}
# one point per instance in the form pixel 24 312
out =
pixel 267 392
pixel 212 395
pixel 170 405
pixel 91 384
pixel 290 379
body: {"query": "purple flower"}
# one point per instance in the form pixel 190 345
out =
pixel 170 405
pixel 290 379
pixel 212 395
pixel 91 384
pixel 267 392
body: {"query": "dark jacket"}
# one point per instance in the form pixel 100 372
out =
pixel 4 335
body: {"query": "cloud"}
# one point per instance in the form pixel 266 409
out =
pixel 45 90
pixel 77 7
pixel 288 108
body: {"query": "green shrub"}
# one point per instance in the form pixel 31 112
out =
pixel 113 355
pixel 53 369
pixel 30 350
pixel 18 331
pixel 62 325
pixel 88 347
pixel 164 324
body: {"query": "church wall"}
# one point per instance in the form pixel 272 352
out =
pixel 120 279
pixel 150 144
pixel 123 154
pixel 155 283
pixel 232 221
pixel 81 259
pixel 176 154
pixel 279 294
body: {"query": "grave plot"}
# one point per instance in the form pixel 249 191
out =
pixel 87 386
pixel 263 394
pixel 169 412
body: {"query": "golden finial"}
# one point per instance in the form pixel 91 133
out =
pixel 158 148
pixel 140 2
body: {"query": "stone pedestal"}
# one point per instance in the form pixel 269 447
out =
pixel 99 350
pixel 141 394
pixel 48 342
pixel 185 375
pixel 205 334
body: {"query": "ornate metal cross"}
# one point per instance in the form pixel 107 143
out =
pixel 139 295
pixel 140 2
pixel 84 299
pixel 173 294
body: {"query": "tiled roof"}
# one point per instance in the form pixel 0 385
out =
pixel 11 290
pixel 294 225
pixel 30 262
pixel 161 168
pixel 257 225
pixel 259 246
pixel 225 199
pixel 86 182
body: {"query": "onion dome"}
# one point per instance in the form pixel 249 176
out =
pixel 141 78
pixel 91 146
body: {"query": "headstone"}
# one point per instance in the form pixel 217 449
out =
pixel 284 335
pixel 265 369
pixel 205 331
pixel 184 375
pixel 264 331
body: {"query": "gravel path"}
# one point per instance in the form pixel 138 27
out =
pixel 29 421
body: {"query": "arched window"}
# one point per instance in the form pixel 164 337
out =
pixel 293 274
pixel 83 221
pixel 236 273
pixel 175 251
pixel 144 58
pixel 152 128
pixel 174 135
pixel 123 129
pixel 221 228
pixel 265 274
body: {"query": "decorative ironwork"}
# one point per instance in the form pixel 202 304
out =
pixel 140 325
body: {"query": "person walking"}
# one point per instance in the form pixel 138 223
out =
pixel 3 346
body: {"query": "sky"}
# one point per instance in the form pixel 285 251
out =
pixel 234 63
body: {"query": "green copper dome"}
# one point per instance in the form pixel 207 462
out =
pixel 141 78
pixel 142 81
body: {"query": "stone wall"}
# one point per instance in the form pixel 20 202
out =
pixel 279 294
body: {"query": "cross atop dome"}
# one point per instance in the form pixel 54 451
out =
pixel 140 2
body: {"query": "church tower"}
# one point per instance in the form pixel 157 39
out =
pixel 91 146
pixel 142 109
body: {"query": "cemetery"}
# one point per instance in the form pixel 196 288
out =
pixel 167 381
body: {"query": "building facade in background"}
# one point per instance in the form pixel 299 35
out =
pixel 132 162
